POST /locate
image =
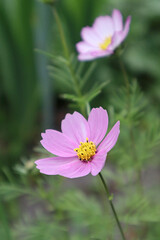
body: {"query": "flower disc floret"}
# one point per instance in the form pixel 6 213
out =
pixel 86 151
pixel 104 45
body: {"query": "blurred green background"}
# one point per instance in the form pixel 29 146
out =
pixel 29 95
pixel 26 92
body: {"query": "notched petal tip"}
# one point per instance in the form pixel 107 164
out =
pixel 42 135
pixel 118 123
pixel 47 132
pixel 36 162
pixel 117 127
pixel 85 31
pixel 38 168
pixel 116 12
pixel 128 22
pixel 129 18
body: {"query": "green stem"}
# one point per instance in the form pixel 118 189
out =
pixel 112 206
pixel 135 158
pixel 61 33
pixel 88 108
pixel 67 56
pixel 134 153
pixel 125 76
pixel 77 89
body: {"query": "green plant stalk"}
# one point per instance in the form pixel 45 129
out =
pixel 61 33
pixel 112 206
pixel 134 154
pixel 126 80
pixel 77 88
pixel 67 56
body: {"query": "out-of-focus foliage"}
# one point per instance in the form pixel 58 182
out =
pixel 34 206
pixel 22 71
pixel 18 85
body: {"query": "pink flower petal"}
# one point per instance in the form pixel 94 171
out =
pixel 67 167
pixel 104 27
pixel 58 144
pixel 116 40
pixel 98 163
pixel 110 140
pixel 75 126
pixel 80 169
pixel 84 47
pixel 86 57
pixel 120 36
pixel 51 166
pixel 98 123
pixel 126 27
pixel 117 20
pixel 92 55
pixel 54 162
pixel 89 36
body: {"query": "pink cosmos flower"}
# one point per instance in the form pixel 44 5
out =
pixel 81 148
pixel 103 37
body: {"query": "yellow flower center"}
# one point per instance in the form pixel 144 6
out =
pixel 86 150
pixel 106 43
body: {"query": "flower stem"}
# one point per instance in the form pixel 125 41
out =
pixel 134 153
pixel 125 77
pixel 61 33
pixel 67 56
pixel 112 206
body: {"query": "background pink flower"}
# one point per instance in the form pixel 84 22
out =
pixel 103 37
pixel 81 147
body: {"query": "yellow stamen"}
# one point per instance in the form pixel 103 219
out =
pixel 105 44
pixel 86 150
